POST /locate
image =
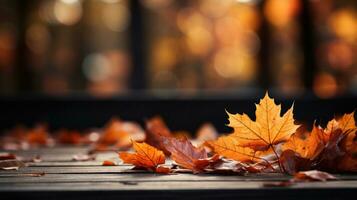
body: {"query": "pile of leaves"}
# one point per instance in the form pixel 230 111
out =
pixel 270 143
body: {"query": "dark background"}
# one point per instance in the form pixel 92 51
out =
pixel 77 63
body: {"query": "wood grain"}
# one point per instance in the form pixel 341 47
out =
pixel 64 178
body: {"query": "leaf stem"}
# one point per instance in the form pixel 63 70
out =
pixel 277 156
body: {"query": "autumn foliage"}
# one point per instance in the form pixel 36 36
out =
pixel 280 142
pixel 145 156
pixel 270 141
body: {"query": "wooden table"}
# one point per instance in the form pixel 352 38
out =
pixel 67 179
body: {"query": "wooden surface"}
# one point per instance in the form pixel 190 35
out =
pixel 67 179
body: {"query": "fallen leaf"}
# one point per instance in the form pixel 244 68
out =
pixel 145 156
pixel 313 175
pixel 344 123
pixel 186 155
pixel 229 147
pixel 69 137
pixel 38 135
pixel 291 162
pixel 227 166
pixel 11 164
pixel 206 132
pixel 108 163
pixel 307 145
pixel 269 128
pixel 155 128
pixel 333 151
pixel 33 174
pixel 118 134
pixel 83 157
pixel 7 156
pixel 113 132
pixel 279 184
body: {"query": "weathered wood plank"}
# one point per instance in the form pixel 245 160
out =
pixel 138 177
pixel 171 185
pixel 126 169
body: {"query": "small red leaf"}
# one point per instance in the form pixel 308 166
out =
pixel 108 163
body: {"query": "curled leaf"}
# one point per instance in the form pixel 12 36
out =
pixel 313 175
pixel 145 156
pixel 291 162
pixel 83 157
pixel 155 128
pixel 186 155
pixel 11 164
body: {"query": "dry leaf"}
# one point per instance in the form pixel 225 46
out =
pixel 108 163
pixel 69 137
pixel 118 134
pixel 83 157
pixel 113 132
pixel 11 164
pixel 38 135
pixel 344 123
pixel 155 128
pixel 7 156
pixel 268 129
pixel 313 175
pixel 186 155
pixel 308 146
pixel 227 166
pixel 291 162
pixel 228 147
pixel 145 156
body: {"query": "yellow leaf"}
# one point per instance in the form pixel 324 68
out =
pixel 228 147
pixel 269 128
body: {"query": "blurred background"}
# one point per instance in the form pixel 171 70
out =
pixel 162 47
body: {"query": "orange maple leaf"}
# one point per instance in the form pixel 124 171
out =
pixel 228 147
pixel 145 156
pixel 269 128
pixel 307 145
pixel 345 123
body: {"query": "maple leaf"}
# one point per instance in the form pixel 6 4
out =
pixel 145 156
pixel 228 147
pixel 155 128
pixel 269 128
pixel 186 155
pixel 344 123
pixel 339 137
pixel 309 145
